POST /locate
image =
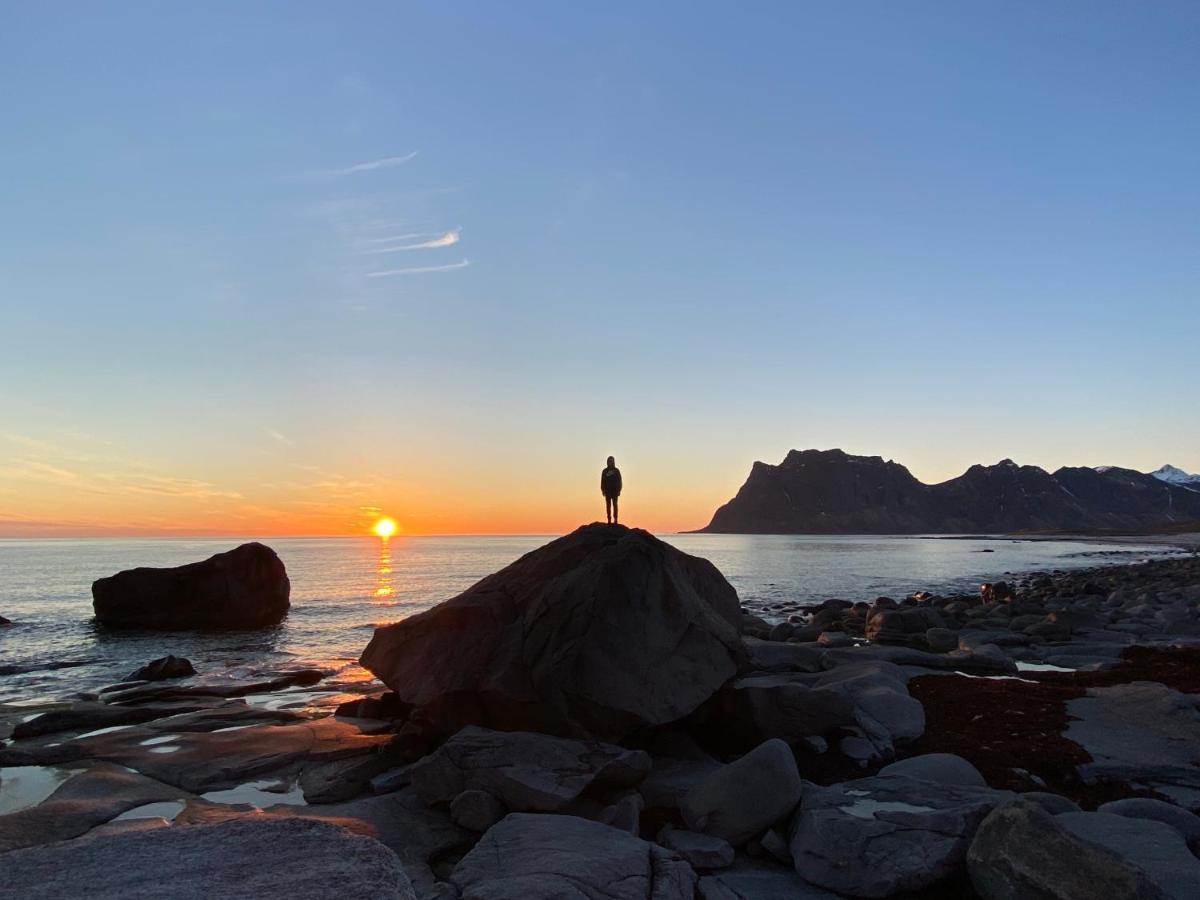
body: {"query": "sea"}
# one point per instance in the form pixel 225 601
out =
pixel 344 587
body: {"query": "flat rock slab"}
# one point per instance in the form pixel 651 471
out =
pixel 1154 847
pixel 879 836
pixel 530 856
pixel 268 859
pixel 204 761
pixel 759 881
pixel 529 772
pixel 400 821
pixel 91 798
pixel 1141 731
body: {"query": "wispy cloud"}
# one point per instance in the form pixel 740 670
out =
pixel 433 242
pixel 419 270
pixel 387 162
pixel 279 436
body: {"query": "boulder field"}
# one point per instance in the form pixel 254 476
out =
pixel 602 720
pixel 246 587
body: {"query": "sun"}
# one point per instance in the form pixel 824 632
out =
pixel 385 528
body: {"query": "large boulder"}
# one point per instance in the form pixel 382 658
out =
pixel 598 633
pixel 267 858
pixel 745 798
pixel 246 587
pixel 530 856
pixel 879 836
pixel 1020 851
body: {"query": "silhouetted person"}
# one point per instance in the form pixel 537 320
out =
pixel 610 487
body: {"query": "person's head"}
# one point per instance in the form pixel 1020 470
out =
pixel 611 462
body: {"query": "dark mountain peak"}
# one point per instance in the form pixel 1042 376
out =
pixel 834 492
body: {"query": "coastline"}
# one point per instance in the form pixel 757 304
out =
pixel 1060 689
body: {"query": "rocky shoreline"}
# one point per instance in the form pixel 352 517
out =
pixel 601 719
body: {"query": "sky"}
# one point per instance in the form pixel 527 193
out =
pixel 281 268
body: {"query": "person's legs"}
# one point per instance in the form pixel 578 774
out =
pixel 614 518
pixel 608 508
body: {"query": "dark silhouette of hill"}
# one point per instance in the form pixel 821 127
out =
pixel 832 492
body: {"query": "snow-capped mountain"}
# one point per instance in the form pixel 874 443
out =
pixel 1172 475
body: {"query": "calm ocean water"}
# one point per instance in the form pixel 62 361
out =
pixel 343 587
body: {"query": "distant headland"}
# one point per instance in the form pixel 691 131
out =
pixel 833 492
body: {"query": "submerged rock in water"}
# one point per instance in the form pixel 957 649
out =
pixel 163 668
pixel 596 634
pixel 246 587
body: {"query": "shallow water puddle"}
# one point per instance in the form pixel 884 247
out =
pixel 24 786
pixel 866 809
pixel 99 731
pixel 167 810
pixel 164 739
pixel 1040 667
pixel 260 794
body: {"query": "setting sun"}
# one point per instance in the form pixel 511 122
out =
pixel 385 528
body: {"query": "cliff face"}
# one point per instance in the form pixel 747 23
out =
pixel 832 492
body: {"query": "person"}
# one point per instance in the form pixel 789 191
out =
pixel 610 487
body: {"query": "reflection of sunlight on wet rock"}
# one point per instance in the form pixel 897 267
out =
pixel 166 810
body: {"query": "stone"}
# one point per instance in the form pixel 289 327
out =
pixel 744 798
pixel 879 836
pixel 528 772
pixel 1186 823
pixel 599 633
pixel 1154 847
pixel 268 859
pixel 885 713
pixel 941 640
pixel 476 810
pixel 906 627
pixel 784 706
pixel 1051 803
pixel 1020 851
pixel 670 780
pixel 162 668
pixel 940 768
pixel 246 587
pixel 391 780
pixel 768 656
pixel 754 880
pixel 87 716
pixel 835 639
pixel 700 851
pixel 528 856
pixel 90 798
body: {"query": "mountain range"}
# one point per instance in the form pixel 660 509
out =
pixel 833 492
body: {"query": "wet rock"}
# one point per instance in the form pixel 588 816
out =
pixel 476 810
pixel 214 686
pixel 4 621
pixel 269 859
pixel 525 770
pixel 700 851
pixel 84 716
pixel 529 855
pixel 941 640
pixel 599 633
pixel 86 800
pixel 744 798
pixel 391 780
pixel 940 768
pixel 1020 851
pixel 884 835
pixel 163 668
pixel 246 587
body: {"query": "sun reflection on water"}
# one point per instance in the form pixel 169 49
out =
pixel 384 589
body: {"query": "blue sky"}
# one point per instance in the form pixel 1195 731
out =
pixel 266 266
